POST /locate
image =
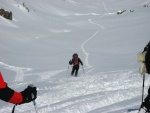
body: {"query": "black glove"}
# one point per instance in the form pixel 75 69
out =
pixel 29 94
pixel 70 62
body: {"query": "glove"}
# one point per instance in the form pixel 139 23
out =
pixel 70 62
pixel 29 94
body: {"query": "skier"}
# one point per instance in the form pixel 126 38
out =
pixel 146 104
pixel 9 95
pixel 75 61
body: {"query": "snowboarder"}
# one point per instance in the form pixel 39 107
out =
pixel 75 61
pixel 9 95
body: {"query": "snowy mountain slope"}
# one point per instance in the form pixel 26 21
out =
pixel 37 45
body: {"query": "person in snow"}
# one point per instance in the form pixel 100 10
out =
pixel 9 95
pixel 75 61
pixel 146 104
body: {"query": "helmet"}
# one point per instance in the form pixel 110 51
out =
pixel 75 54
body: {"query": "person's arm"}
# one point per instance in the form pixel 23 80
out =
pixel 80 61
pixel 9 95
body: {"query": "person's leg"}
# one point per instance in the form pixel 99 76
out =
pixel 147 103
pixel 76 73
pixel 73 69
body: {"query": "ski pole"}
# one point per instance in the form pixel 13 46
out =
pixel 83 70
pixel 67 70
pixel 142 92
pixel 34 103
pixel 143 87
pixel 14 108
pixel 35 106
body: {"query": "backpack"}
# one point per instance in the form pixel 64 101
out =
pixel 141 56
pixel 142 59
pixel 75 59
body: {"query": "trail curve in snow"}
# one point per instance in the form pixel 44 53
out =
pixel 86 41
pixel 85 52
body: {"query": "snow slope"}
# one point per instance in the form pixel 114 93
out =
pixel 37 45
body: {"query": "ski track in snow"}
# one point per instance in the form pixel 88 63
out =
pixel 73 2
pixel 86 53
pixel 90 38
pixel 105 7
pixel 81 92
pixel 20 71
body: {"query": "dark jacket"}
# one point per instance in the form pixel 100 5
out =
pixel 147 57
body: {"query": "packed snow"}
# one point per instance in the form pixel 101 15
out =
pixel 36 47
